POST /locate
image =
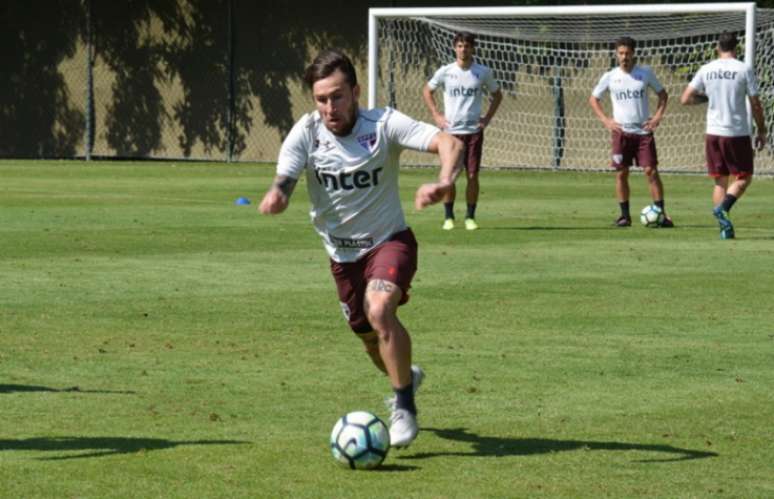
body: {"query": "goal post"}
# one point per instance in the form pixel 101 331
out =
pixel 547 60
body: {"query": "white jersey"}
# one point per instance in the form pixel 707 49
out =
pixel 353 181
pixel 462 94
pixel 727 83
pixel 629 95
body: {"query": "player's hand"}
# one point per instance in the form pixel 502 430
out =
pixel 760 141
pixel 613 125
pixel 428 194
pixel 651 124
pixel 440 121
pixel 273 202
pixel 483 122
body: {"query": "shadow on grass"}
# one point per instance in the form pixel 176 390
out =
pixel 72 389
pixel 100 446
pixel 547 228
pixel 501 447
pixel 387 468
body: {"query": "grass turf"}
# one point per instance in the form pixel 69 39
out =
pixel 157 340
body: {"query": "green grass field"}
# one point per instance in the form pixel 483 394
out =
pixel 157 340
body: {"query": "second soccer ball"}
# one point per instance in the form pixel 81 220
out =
pixel 651 216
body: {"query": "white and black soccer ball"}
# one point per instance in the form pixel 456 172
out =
pixel 360 440
pixel 651 216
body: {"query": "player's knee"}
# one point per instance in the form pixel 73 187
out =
pixel 380 315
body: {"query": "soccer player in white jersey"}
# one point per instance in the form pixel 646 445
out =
pixel 464 82
pixel 631 125
pixel 350 158
pixel 726 83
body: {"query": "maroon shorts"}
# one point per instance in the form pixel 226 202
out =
pixel 728 155
pixel 471 155
pixel 633 148
pixel 394 260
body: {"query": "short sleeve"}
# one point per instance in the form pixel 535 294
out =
pixel 602 86
pixel 697 83
pixel 490 82
pixel 653 81
pixel 294 152
pixel 409 133
pixel 438 79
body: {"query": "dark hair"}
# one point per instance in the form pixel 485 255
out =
pixel 326 63
pixel 465 36
pixel 626 41
pixel 727 42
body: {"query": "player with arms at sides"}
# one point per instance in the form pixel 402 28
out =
pixel 350 158
pixel 463 82
pixel 727 83
pixel 631 125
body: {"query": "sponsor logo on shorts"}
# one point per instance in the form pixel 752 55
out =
pixel 617 158
pixel 346 243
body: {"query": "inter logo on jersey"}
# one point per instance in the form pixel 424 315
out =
pixel 368 141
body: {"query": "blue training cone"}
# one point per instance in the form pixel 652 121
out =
pixel 242 201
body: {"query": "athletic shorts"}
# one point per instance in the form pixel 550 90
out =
pixel 729 156
pixel 632 148
pixel 471 155
pixel 394 260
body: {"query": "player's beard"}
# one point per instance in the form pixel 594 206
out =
pixel 347 127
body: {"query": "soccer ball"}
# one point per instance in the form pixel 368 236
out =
pixel 360 440
pixel 651 216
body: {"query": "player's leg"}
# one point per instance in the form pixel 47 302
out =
pixel 726 156
pixel 647 157
pixel 448 208
pixel 721 215
pixel 389 271
pixel 473 166
pixel 351 288
pixel 656 188
pixel 622 194
pixel 371 343
pixel 448 199
pixel 621 160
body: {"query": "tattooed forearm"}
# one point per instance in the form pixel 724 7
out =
pixel 285 185
pixel 381 285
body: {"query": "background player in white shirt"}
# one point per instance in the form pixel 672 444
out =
pixel 727 83
pixel 463 82
pixel 631 125
pixel 350 157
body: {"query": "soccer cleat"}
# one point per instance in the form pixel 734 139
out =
pixel 726 227
pixel 623 221
pixel 417 376
pixel 403 428
pixel 448 224
pixel 666 223
pixel 470 224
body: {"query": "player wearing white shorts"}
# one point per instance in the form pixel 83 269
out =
pixel 464 82
pixel 350 159
pixel 727 83
pixel 631 125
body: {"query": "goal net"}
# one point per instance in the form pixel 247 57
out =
pixel 548 60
